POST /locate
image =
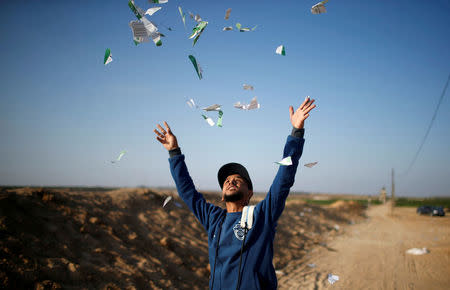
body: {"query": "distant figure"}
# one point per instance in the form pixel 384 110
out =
pixel 383 195
pixel 240 238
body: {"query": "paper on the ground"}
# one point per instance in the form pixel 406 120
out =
pixel 120 156
pixel 417 251
pixel 219 121
pixel 166 201
pixel 214 107
pixel 247 87
pixel 332 278
pixel 197 67
pixel 312 265
pixel 319 8
pixel 285 161
pixel 160 1
pixel 280 50
pixel 197 31
pixel 183 16
pixel 209 120
pixel 227 13
pixel 227 28
pixel 309 165
pixel 151 11
pixel 253 105
pixel 191 103
pixel 178 204
pixel 108 58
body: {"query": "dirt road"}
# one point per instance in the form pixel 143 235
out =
pixel 371 255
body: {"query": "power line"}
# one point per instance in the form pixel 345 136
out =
pixel 429 126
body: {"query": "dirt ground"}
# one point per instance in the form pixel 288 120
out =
pixel 72 238
pixel 371 255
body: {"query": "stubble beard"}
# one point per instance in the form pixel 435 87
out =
pixel 236 196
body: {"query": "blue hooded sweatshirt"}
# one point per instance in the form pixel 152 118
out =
pixel 257 271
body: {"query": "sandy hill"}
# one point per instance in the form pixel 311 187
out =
pixel 125 239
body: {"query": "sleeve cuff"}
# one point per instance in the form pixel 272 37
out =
pixel 299 133
pixel 175 152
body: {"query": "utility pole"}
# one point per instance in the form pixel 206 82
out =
pixel 392 193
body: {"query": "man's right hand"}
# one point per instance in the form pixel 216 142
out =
pixel 166 137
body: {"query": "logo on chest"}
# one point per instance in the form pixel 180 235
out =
pixel 238 231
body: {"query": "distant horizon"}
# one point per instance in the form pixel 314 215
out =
pixel 388 196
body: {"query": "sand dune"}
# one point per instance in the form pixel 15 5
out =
pixel 124 239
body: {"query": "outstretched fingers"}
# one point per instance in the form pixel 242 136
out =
pixel 304 103
pixel 307 109
pixel 167 127
pixel 161 129
pixel 291 111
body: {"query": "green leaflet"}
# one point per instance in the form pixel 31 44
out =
pixel 196 66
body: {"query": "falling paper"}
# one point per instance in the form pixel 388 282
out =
pixel 417 251
pixel 183 16
pixel 120 156
pixel 152 31
pixel 108 57
pixel 197 67
pixel 227 28
pixel 247 87
pixel 219 121
pixel 136 10
pixel 244 29
pixel 280 50
pixel 332 278
pixel 319 8
pixel 166 201
pixel 197 31
pixel 160 1
pixel 214 107
pixel 152 10
pixel 191 104
pixel 253 105
pixel 209 120
pixel 227 13
pixel 143 29
pixel 309 165
pixel 197 18
pixel 285 161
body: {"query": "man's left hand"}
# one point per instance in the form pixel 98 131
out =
pixel 298 118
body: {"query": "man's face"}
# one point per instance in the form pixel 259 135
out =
pixel 235 188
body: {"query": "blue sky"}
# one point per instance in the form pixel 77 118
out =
pixel 375 68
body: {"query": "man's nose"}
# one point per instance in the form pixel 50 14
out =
pixel 234 182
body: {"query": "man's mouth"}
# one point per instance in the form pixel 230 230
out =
pixel 231 187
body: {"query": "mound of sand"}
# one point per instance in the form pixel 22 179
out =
pixel 124 239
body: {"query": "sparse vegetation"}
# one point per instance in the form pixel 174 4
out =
pixel 416 202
